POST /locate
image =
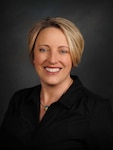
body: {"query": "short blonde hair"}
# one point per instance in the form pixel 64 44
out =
pixel 72 33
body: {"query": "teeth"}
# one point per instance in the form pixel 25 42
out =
pixel 52 69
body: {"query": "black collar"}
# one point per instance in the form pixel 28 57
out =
pixel 67 99
pixel 73 94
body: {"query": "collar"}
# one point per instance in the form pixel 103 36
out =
pixel 73 94
pixel 33 94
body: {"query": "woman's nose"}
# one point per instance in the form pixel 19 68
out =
pixel 53 58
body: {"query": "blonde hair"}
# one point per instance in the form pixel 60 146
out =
pixel 72 33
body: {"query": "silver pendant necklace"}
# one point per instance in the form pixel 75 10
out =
pixel 45 107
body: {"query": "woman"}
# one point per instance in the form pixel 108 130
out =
pixel 60 113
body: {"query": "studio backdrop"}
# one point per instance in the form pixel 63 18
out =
pixel 95 21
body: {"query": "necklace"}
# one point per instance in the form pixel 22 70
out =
pixel 45 107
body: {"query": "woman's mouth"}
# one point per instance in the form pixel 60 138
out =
pixel 52 69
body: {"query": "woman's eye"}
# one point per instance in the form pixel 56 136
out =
pixel 43 50
pixel 63 51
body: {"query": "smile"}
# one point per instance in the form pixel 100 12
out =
pixel 52 70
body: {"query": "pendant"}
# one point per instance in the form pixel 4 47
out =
pixel 46 108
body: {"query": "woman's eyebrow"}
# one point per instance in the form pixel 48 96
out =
pixel 63 47
pixel 46 45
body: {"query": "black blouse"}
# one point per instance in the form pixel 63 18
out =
pixel 80 119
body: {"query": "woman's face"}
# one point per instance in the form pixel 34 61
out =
pixel 52 59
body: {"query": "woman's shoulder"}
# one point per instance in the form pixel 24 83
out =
pixel 92 95
pixel 28 90
pixel 88 97
pixel 96 102
pixel 89 94
pixel 25 94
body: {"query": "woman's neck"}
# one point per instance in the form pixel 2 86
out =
pixel 51 93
